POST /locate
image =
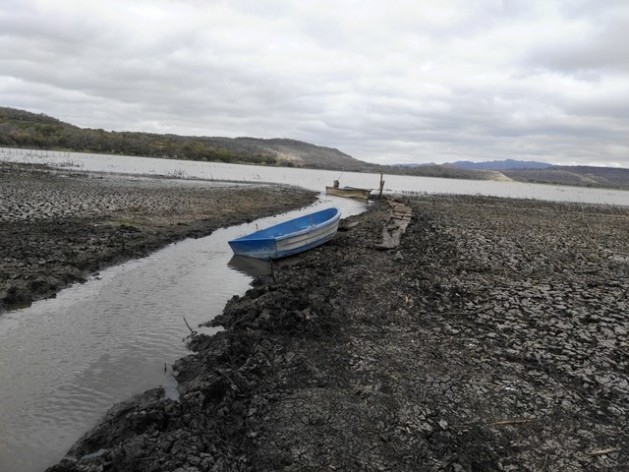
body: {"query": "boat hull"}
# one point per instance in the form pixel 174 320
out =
pixel 289 238
pixel 349 192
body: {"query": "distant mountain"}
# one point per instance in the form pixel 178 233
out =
pixel 585 176
pixel 19 128
pixel 301 154
pixel 23 129
pixel 442 171
pixel 500 165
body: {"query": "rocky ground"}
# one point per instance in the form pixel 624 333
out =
pixel 494 338
pixel 56 227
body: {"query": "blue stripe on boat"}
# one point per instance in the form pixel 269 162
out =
pixel 290 237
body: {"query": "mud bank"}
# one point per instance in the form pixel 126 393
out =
pixel 494 338
pixel 57 227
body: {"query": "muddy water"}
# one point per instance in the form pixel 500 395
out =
pixel 65 361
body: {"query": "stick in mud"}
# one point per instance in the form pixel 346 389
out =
pixel 604 452
pixel 193 333
pixel 511 422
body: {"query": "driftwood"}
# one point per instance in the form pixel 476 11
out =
pixel 511 422
pixel 192 334
pixel 604 452
pixel 400 217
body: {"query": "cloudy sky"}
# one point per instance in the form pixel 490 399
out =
pixel 394 81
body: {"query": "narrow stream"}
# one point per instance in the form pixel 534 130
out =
pixel 65 361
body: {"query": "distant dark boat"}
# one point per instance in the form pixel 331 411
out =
pixel 290 237
pixel 349 192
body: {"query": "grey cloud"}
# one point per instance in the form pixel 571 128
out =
pixel 423 82
pixel 600 33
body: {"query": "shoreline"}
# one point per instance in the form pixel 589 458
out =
pixel 58 226
pixel 493 338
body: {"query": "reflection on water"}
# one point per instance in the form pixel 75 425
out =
pixel 250 266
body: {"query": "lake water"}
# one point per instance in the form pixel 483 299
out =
pixel 315 179
pixel 65 361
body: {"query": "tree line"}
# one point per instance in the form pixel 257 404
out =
pixel 22 129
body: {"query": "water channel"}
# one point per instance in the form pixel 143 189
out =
pixel 65 361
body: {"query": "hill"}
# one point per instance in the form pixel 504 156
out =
pixel 506 164
pixel 586 176
pixel 540 172
pixel 23 129
pixel 19 128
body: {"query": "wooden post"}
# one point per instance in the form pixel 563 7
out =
pixel 381 186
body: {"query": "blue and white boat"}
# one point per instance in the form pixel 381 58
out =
pixel 290 237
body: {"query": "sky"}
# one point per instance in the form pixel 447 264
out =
pixel 388 82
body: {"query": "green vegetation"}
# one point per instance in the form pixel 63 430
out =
pixel 23 129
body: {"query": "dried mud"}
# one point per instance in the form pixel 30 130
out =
pixel 57 227
pixel 494 338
